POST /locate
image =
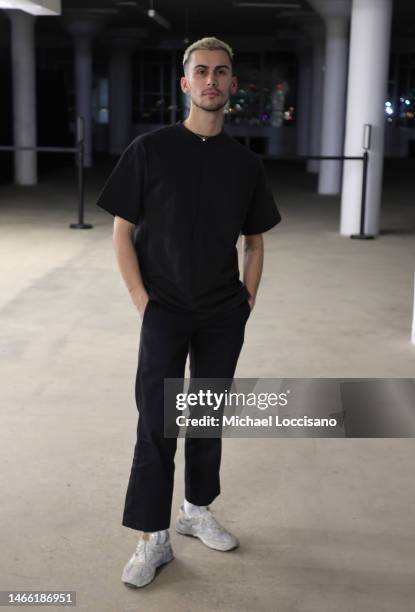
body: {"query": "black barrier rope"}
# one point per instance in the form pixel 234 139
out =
pixel 79 150
pixel 363 158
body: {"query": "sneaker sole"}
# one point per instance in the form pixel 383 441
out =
pixel 131 585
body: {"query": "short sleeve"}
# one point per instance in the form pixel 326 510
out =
pixel 123 191
pixel 263 213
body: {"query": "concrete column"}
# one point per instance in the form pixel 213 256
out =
pixel 277 99
pixel 24 95
pixel 185 105
pixel 316 34
pixel 173 87
pixel 334 103
pixel 395 90
pixel 83 85
pixel 123 42
pixel 303 110
pixel 83 27
pixel 336 18
pixel 413 318
pixel 367 84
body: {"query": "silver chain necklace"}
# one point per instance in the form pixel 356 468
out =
pixel 201 136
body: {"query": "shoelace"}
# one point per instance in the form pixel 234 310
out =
pixel 211 522
pixel 142 550
pixel 209 519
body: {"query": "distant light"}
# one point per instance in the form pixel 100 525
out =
pixel 158 18
pixel 401 99
pixel 407 102
pixel 388 104
pixel 389 110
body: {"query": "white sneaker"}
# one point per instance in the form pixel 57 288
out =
pixel 206 527
pixel 141 568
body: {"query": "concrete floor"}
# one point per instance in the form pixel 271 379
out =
pixel 324 524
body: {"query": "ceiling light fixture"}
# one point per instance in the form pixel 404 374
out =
pixel 157 17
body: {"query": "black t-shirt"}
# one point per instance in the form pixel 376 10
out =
pixel 190 199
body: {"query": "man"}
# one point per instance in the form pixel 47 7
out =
pixel 181 196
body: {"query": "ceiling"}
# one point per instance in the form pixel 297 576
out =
pixel 200 17
pixel 192 19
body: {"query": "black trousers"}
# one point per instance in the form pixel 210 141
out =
pixel 213 343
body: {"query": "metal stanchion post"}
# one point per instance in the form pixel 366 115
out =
pixel 366 146
pixel 81 190
pixel 79 151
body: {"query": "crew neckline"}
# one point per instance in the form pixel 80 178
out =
pixel 194 135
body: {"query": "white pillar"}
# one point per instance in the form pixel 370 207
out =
pixel 83 89
pixel 185 106
pixel 277 100
pixel 123 42
pixel 367 83
pixel 317 35
pixel 173 87
pixel 413 318
pixel 303 98
pixel 24 95
pixel 120 103
pixel 334 104
pixel 83 28
pixel 336 18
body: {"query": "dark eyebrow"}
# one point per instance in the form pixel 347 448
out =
pixel 216 67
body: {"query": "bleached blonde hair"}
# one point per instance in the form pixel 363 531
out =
pixel 209 43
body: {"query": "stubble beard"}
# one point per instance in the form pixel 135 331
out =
pixel 211 109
